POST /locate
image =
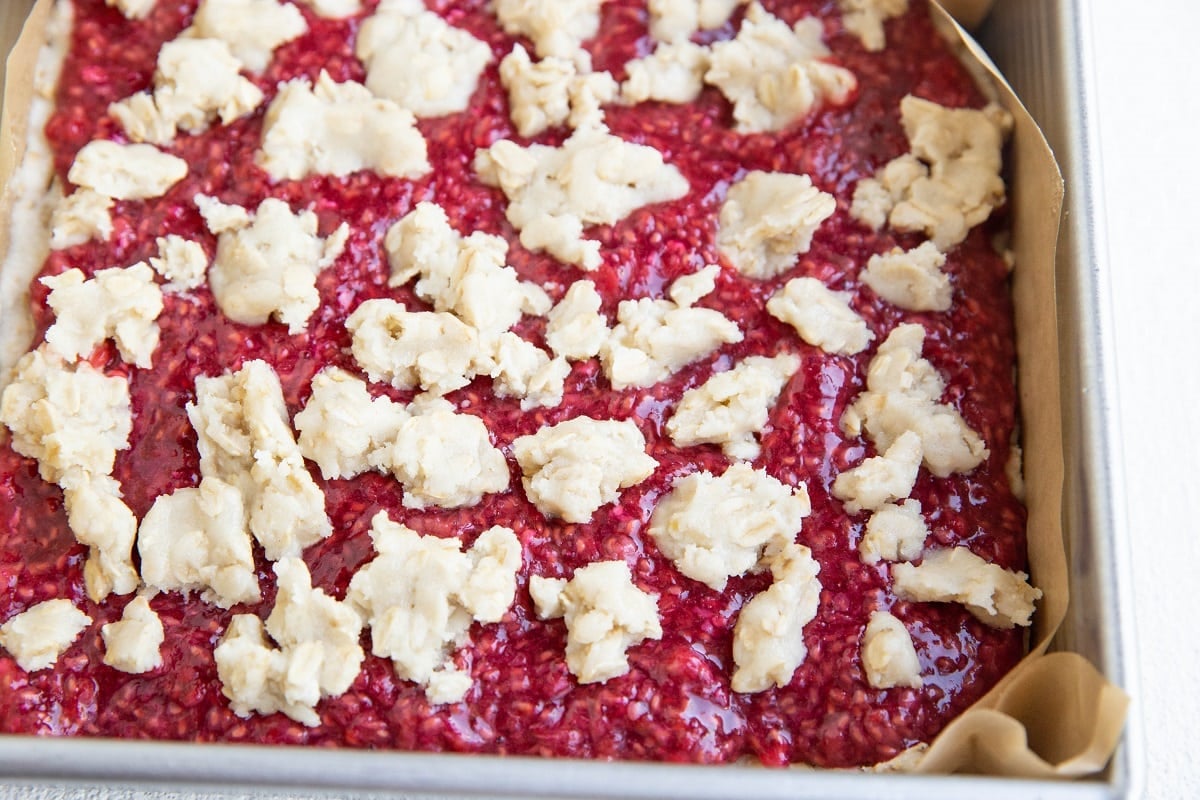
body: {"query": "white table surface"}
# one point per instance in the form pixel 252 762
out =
pixel 1147 119
pixel 1149 112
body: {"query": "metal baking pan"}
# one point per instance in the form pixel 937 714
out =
pixel 1043 49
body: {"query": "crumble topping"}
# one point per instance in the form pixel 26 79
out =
pixel 196 80
pixel 881 479
pixel 181 262
pixel 244 439
pixel 420 595
pixel 605 613
pixel 821 316
pixel 572 468
pixel 996 596
pixel 269 267
pixel 912 279
pixel 133 9
pixel 949 182
pixel 101 521
pixel 39 635
pixel 769 218
pixel 556 28
pixel 132 644
pixel 343 429
pixel 464 275
pixel 774 74
pixel 195 539
pixel 889 657
pixel 444 454
pixel 902 396
pixel 79 217
pixel 673 73
pixel 865 18
pixel 432 350
pixel 654 338
pixel 330 128
pixel 120 303
pixel 732 406
pixel 313 651
pixel 126 171
pixel 759 518
pixel 595 178
pixel 675 20
pixel 553 91
pixel 895 532
pixel 575 328
pixel 768 639
pixel 414 58
pixel 446 459
pixel 72 418
pixel 251 28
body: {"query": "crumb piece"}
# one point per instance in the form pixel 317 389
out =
pixel 556 28
pixel 655 338
pixel 865 18
pixel 732 406
pixel 760 517
pixel 244 439
pixel 894 533
pixel 126 171
pixel 911 279
pixel 445 459
pixel 101 521
pixel 881 479
pixel 420 595
pixel 432 350
pixel 251 28
pixel 768 637
pixel 196 81
pixel 889 658
pixel 677 20
pixel 574 467
pixel 71 418
pixel 268 269
pixel 419 61
pixel 553 91
pixel 337 129
pixel 673 73
pixel 902 396
pixel 37 636
pixel 949 182
pixel 821 316
pixel 606 614
pixel 132 643
pixel 575 328
pixel 315 652
pixel 120 303
pixel 996 596
pixel 343 429
pixel 195 539
pixel 181 262
pixel 80 217
pixel 595 178
pixel 769 218
pixel 775 74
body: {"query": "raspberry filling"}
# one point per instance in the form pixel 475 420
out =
pixel 675 703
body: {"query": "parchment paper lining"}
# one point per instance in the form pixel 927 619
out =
pixel 1054 715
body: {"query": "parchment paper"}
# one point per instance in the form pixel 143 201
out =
pixel 1054 715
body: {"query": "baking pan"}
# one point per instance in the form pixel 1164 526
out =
pixel 1042 47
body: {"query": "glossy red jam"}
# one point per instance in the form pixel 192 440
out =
pixel 675 704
